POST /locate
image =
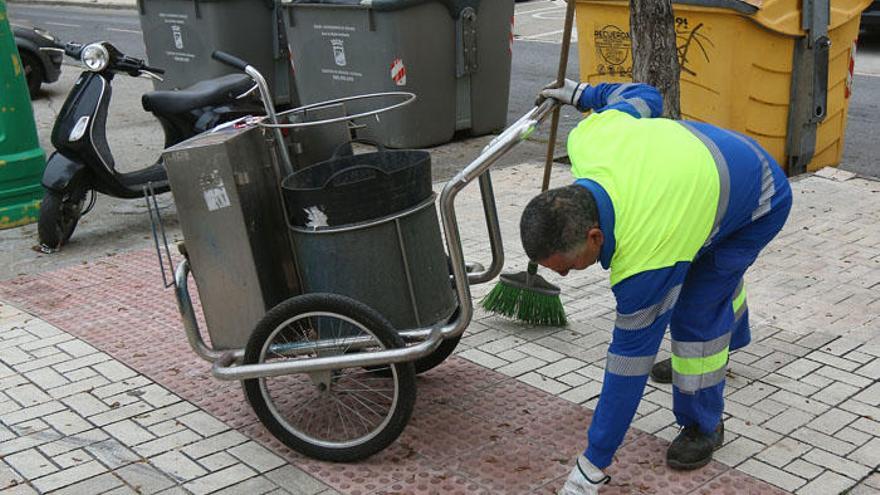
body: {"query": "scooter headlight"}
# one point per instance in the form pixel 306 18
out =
pixel 95 57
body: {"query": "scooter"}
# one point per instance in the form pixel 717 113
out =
pixel 83 165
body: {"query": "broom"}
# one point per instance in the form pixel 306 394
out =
pixel 526 296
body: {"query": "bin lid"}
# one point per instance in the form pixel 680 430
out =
pixel 455 6
pixel 780 16
pixel 741 6
pixel 784 16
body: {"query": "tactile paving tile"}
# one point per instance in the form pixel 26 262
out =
pixel 562 424
pixel 434 482
pixel 442 432
pixel 733 482
pixel 518 464
pixel 473 430
pixel 463 375
pixel 641 465
pixel 510 402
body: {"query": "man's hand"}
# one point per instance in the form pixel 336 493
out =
pixel 584 479
pixel 568 94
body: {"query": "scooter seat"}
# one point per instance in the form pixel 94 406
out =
pixel 211 92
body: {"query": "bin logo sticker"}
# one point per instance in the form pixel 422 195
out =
pixel 339 52
pixel 510 36
pixel 398 72
pixel 214 191
pixel 316 217
pixel 612 45
pixel 178 37
pixel 850 74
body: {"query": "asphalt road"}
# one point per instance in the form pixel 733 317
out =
pixel 861 153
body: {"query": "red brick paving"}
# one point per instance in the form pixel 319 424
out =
pixel 473 431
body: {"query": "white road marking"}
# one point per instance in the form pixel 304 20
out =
pixel 536 37
pixel 61 24
pixel 866 74
pixel 536 11
pixel 119 30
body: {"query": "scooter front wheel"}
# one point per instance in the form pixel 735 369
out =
pixel 59 214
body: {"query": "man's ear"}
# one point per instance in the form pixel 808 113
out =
pixel 595 236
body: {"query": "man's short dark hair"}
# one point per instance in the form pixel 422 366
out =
pixel 557 221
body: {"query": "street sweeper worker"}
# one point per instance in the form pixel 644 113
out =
pixel 677 211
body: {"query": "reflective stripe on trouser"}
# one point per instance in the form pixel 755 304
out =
pixel 739 301
pixel 740 334
pixel 698 365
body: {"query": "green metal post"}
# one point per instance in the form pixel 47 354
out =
pixel 21 159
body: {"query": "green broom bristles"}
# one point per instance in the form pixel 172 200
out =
pixel 528 298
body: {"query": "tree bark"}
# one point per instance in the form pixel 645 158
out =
pixel 655 56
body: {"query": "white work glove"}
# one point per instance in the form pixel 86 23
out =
pixel 568 94
pixel 584 479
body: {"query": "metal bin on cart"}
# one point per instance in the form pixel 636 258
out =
pixel 365 226
pixel 226 187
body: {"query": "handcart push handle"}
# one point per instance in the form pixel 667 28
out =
pixel 510 137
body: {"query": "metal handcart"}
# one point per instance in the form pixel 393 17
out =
pixel 327 374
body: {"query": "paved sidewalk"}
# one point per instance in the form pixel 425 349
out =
pixel 98 387
pixel 75 420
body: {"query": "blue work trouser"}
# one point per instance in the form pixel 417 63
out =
pixel 705 321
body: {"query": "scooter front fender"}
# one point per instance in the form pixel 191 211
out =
pixel 61 172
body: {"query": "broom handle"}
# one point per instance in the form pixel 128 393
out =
pixel 560 80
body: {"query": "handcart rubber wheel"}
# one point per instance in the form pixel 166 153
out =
pixel 443 351
pixel 447 346
pixel 338 415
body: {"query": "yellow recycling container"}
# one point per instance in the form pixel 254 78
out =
pixel 765 68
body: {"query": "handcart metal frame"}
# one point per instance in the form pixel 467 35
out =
pixel 420 342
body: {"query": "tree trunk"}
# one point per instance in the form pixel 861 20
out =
pixel 655 56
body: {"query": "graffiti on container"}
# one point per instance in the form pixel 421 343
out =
pixel 691 44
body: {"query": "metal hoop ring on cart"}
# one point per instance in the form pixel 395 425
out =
pixel 338 415
pixel 408 98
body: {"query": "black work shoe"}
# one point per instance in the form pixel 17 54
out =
pixel 661 372
pixel 693 449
